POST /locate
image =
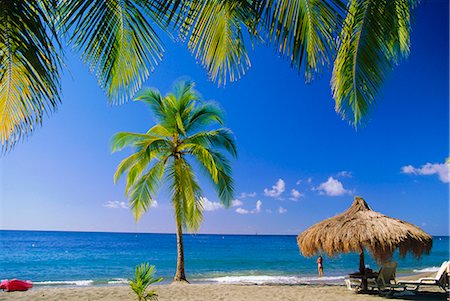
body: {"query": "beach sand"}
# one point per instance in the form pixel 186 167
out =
pixel 209 292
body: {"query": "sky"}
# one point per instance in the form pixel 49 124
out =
pixel 298 162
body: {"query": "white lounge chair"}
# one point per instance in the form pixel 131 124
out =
pixel 439 280
pixel 385 281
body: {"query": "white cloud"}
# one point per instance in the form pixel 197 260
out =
pixel 154 204
pixel 295 195
pixel 309 180
pixel 116 205
pixel 281 210
pixel 440 169
pixel 257 209
pixel 236 203
pixel 298 182
pixel 244 195
pixel 276 190
pixel 210 206
pixel 345 174
pixel 242 211
pixel 332 187
pixel 268 211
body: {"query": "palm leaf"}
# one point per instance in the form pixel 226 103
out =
pixel 124 139
pixel 214 31
pixel 116 40
pixel 205 115
pixel 374 36
pixel 153 98
pixel 217 41
pixel 29 67
pixel 303 31
pixel 218 139
pixel 225 183
pixel 204 156
pixel 141 194
pixel 126 164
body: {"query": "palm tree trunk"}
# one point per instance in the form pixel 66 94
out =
pixel 180 276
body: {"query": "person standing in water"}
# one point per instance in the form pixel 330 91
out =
pixel 320 265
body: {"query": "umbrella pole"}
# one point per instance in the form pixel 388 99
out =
pixel 361 262
pixel 362 271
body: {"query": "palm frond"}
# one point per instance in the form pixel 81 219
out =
pixel 160 131
pixel 225 183
pixel 303 31
pixel 117 42
pixel 204 156
pixel 124 139
pixel 375 35
pixel 218 139
pixel 204 115
pixel 153 98
pixel 186 194
pixel 217 40
pixel 214 31
pixel 29 67
pixel 141 193
pixel 126 164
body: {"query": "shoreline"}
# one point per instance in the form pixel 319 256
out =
pixel 334 280
pixel 199 292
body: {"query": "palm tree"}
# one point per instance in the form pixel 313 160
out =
pixel 165 152
pixel 363 40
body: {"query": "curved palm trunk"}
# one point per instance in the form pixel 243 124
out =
pixel 180 275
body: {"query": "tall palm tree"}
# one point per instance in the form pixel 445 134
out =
pixel 362 40
pixel 165 152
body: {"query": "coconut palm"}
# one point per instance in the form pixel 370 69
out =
pixel 165 152
pixel 120 41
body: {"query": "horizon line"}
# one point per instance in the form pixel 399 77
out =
pixel 166 233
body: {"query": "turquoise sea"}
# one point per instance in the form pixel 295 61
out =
pixel 86 258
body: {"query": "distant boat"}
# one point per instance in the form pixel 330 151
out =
pixel 15 285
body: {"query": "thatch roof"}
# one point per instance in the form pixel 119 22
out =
pixel 359 227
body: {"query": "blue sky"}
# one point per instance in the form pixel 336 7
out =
pixel 298 161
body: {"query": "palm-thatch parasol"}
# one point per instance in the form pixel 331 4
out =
pixel 359 227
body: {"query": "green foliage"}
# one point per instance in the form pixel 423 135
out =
pixel 374 37
pixel 302 31
pixel 29 67
pixel 163 154
pixel 144 276
pixel 120 42
pixel 116 40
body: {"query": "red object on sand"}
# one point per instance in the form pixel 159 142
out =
pixel 15 285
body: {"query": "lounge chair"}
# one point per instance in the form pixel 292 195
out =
pixel 385 281
pixel 439 280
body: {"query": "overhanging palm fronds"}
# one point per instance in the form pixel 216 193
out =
pixel 29 67
pixel 303 31
pixel 375 36
pixel 214 30
pixel 116 40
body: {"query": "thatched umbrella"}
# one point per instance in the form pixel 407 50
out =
pixel 359 227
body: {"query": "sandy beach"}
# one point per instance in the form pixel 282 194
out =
pixel 206 292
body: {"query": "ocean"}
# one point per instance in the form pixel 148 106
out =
pixel 87 258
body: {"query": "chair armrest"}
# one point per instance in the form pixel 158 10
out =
pixel 426 279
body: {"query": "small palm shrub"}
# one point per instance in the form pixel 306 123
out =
pixel 144 276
